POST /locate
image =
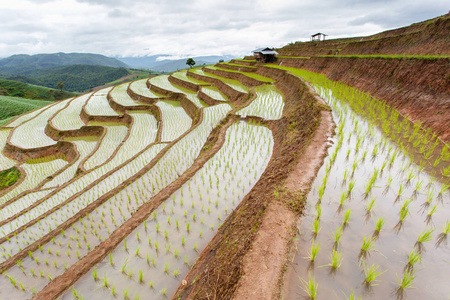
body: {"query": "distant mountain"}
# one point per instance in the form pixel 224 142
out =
pixel 22 64
pixel 156 62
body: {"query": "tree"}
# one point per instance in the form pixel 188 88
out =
pixel 190 62
pixel 60 85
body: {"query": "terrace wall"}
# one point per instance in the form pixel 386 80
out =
pixel 418 88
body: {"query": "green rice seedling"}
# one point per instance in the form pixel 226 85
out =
pixel 166 268
pixel 316 226
pixel 310 287
pixel 431 211
pixel 371 274
pixel 405 282
pixel 95 274
pixel 442 237
pixel 141 276
pixel 351 186
pixel 313 251
pixel 378 227
pixel 413 258
pixel 368 244
pixel 346 217
pixel 335 260
pixel 337 236
pixel 105 282
pixel 125 294
pixel 369 206
pixel 424 236
pixel 113 291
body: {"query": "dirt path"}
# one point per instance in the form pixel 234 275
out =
pixel 265 262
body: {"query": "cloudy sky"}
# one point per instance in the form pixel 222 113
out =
pixel 193 28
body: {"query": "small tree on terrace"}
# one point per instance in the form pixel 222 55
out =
pixel 190 62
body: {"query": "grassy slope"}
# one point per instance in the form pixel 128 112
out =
pixel 28 91
pixel 14 106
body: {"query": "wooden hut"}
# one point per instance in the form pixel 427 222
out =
pixel 265 55
pixel 318 37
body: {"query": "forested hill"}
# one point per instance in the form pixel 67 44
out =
pixel 76 78
pixel 23 64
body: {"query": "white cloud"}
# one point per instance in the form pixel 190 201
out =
pixel 186 28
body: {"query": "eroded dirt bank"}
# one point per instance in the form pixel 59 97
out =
pixel 418 88
pixel 228 267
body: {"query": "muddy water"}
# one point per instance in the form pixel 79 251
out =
pixel 397 183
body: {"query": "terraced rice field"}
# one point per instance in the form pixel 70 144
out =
pixel 148 173
pixel 66 208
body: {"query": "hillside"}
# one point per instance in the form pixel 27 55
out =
pixel 76 78
pixel 22 64
pixel 408 67
pixel 14 106
pixel 29 91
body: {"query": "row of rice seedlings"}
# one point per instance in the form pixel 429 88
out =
pixel 85 148
pixel 69 118
pixel 424 141
pixel 5 162
pixel 175 120
pixel 153 259
pixel 98 104
pixel 120 95
pixel 31 134
pixel 214 93
pixel 143 132
pixel 162 81
pixel 232 83
pixel 35 172
pixel 140 87
pixel 268 103
pixel 51 260
pixel 410 178
pixel 182 75
pixel 174 162
pixel 34 232
pixel 113 138
pixel 248 74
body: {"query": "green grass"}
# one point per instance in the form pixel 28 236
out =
pixel 14 106
pixel 9 177
pixel 29 91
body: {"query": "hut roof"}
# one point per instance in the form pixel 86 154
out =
pixel 265 51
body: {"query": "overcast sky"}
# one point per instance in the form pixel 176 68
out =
pixel 193 28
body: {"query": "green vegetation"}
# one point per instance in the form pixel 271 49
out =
pixel 76 78
pixel 9 177
pixel 29 91
pixel 14 106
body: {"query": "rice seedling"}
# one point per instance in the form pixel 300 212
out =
pixel 313 251
pixel 378 226
pixel 371 274
pixel 310 287
pixel 413 258
pixel 367 245
pixel 442 237
pixel 346 217
pixel 405 282
pixel 316 226
pixel 424 236
pixel 431 211
pixel 335 260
